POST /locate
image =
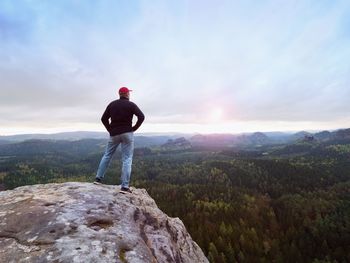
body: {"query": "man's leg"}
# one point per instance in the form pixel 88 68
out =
pixel 110 149
pixel 127 145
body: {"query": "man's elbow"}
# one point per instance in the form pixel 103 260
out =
pixel 104 119
pixel 142 118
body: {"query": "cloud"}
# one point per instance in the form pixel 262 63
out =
pixel 255 61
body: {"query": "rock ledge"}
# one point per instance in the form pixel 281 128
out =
pixel 83 222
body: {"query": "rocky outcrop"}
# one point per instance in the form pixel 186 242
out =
pixel 177 144
pixel 83 222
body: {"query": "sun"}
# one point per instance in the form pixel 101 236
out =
pixel 216 114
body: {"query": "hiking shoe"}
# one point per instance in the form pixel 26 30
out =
pixel 125 190
pixel 98 181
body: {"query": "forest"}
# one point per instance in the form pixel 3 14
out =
pixel 272 203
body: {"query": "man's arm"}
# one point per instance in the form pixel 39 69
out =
pixel 105 119
pixel 140 118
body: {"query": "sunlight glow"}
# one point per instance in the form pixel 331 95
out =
pixel 216 114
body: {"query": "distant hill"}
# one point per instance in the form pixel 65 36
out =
pixel 230 140
pixel 177 144
pixel 323 135
pixel 342 134
pixel 324 144
pixel 140 140
pixel 4 142
pixel 300 135
pixel 211 140
pixel 69 147
pixel 147 141
pixel 257 138
pixel 51 147
pixel 68 136
pixel 199 140
pixel 80 135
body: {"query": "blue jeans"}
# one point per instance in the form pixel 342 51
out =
pixel 127 144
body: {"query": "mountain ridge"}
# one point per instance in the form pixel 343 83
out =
pixel 94 145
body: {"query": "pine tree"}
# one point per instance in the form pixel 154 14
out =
pixel 230 253
pixel 222 258
pixel 222 229
pixel 241 256
pixel 213 252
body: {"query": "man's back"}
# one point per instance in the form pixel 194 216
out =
pixel 121 112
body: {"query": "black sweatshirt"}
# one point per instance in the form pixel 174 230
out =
pixel 121 112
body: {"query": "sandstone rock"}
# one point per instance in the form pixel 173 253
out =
pixel 83 222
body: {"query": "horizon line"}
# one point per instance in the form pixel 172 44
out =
pixel 175 132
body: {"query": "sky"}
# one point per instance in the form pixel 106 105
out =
pixel 194 66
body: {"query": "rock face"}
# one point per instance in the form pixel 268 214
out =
pixel 83 222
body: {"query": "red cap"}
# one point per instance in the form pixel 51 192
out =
pixel 124 90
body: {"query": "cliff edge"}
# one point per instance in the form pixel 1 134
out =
pixel 83 222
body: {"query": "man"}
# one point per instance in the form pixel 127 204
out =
pixel 121 132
